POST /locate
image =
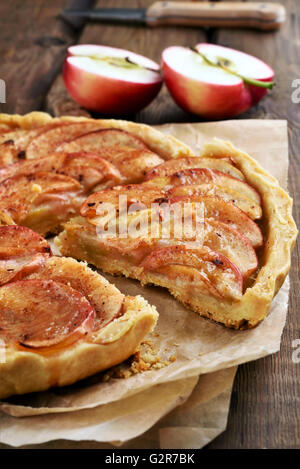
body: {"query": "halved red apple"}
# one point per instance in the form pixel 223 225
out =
pixel 22 251
pixel 43 313
pixel 207 80
pixel 172 166
pixel 109 80
pixel 196 192
pixel 210 271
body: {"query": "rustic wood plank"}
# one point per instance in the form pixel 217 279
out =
pixel 33 41
pixel 265 406
pixel 142 40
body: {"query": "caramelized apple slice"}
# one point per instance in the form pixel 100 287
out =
pixel 211 233
pixel 43 313
pixel 135 164
pixel 211 271
pixel 14 144
pixel 200 176
pixel 252 209
pixel 124 195
pixel 22 251
pixel 8 153
pixel 104 297
pixel 98 140
pixel 13 135
pixel 48 141
pixel 88 168
pixel 40 201
pixel 172 166
pixel 226 240
pixel 227 212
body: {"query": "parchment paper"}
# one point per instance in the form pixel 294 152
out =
pixel 120 410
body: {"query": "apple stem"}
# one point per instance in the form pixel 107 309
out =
pixel 221 64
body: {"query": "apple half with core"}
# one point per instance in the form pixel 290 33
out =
pixel 109 80
pixel 215 82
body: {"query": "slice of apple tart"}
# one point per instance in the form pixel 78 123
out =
pixel 60 321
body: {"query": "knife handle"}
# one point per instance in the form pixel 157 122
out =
pixel 259 15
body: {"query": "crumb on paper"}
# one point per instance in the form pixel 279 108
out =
pixel 146 358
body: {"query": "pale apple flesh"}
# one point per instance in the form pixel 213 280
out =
pixel 209 91
pixel 109 80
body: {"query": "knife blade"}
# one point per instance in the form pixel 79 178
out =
pixel 259 15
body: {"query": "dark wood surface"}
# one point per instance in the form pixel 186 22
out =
pixel 265 404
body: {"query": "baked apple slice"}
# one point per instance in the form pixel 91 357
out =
pixel 218 236
pixel 172 166
pixel 48 141
pixel 43 313
pixel 134 164
pixel 120 196
pixel 196 192
pixel 226 240
pixel 41 201
pixel 200 176
pixel 204 269
pixel 13 145
pixel 104 297
pixel 89 169
pixel 22 251
pixel 226 212
pixel 101 139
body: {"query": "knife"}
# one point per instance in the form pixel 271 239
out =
pixel 259 15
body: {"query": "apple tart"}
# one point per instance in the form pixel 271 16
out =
pixel 229 263
pixel 59 320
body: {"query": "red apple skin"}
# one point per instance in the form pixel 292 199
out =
pixel 109 96
pixel 210 100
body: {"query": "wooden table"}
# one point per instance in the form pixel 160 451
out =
pixel 265 404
